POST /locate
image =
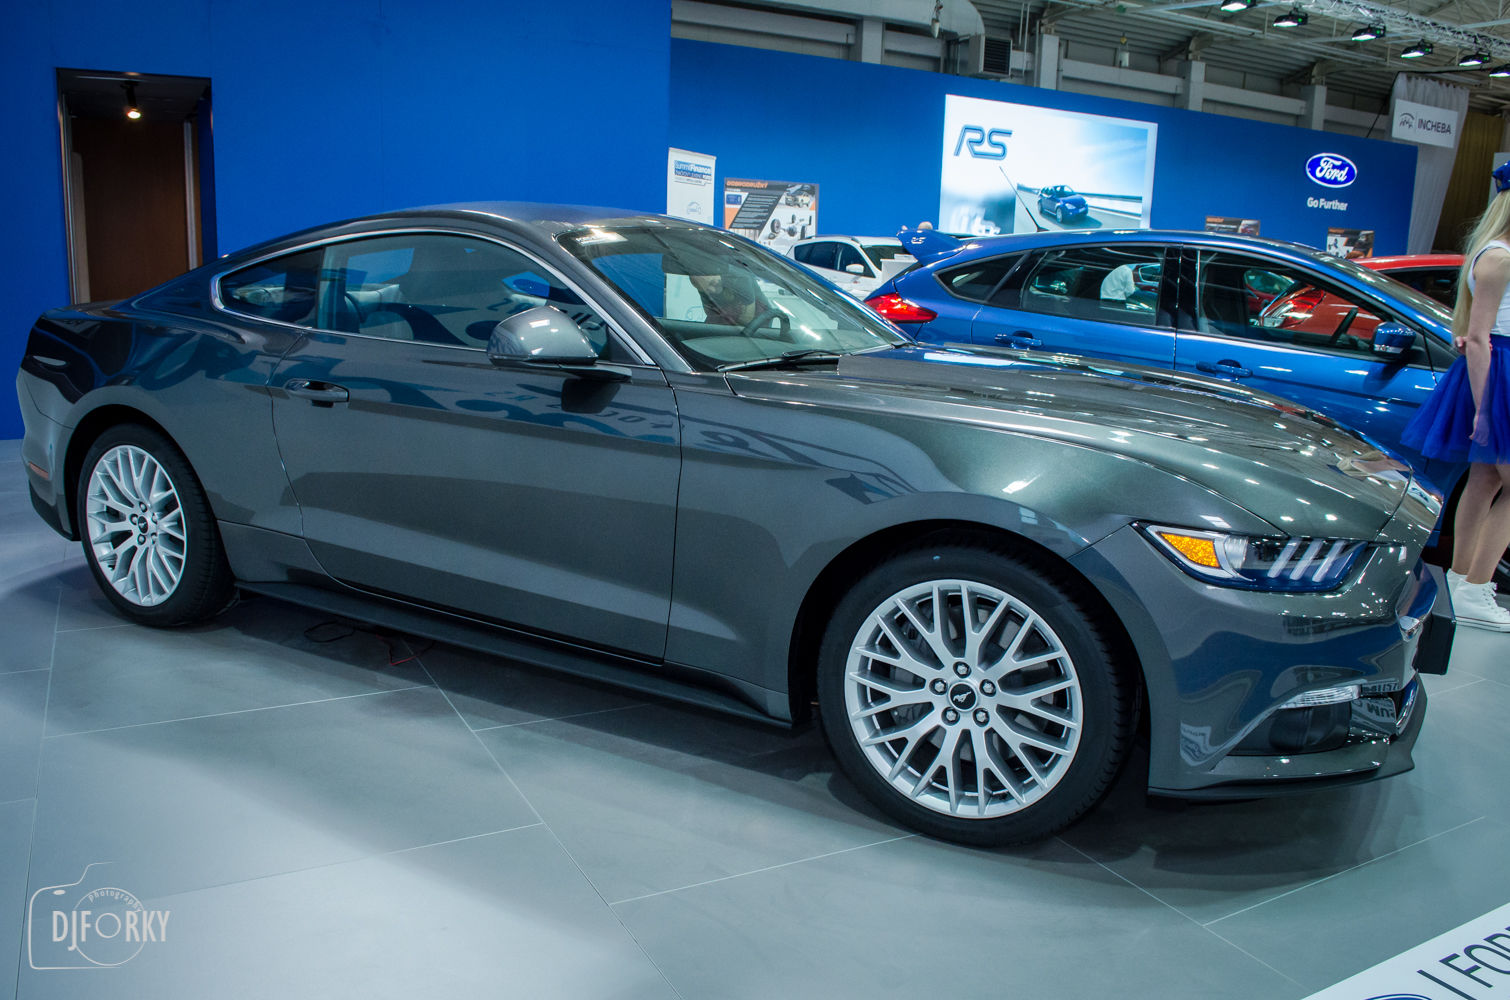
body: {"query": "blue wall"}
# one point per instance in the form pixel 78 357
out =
pixel 870 137
pixel 332 109
pixel 335 108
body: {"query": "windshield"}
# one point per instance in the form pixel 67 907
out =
pixel 1418 301
pixel 721 300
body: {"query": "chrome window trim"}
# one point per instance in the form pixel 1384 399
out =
pixel 218 303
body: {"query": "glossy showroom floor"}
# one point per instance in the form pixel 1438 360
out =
pixel 318 823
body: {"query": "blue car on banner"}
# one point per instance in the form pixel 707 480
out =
pixel 1061 202
pixel 1235 308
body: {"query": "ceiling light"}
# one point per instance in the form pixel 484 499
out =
pixel 1369 32
pixel 1416 51
pixel 1473 59
pixel 1233 6
pixel 132 111
pixel 1292 18
pixel 1500 71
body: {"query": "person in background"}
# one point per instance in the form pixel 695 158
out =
pixel 1467 416
pixel 729 299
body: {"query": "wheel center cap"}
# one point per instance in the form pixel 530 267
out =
pixel 962 697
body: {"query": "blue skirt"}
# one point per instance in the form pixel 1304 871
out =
pixel 1443 427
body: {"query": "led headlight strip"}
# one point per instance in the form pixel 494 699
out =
pixel 1257 562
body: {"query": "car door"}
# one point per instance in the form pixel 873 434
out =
pixel 528 496
pixel 1107 301
pixel 1311 342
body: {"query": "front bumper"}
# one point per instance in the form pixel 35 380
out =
pixel 1221 664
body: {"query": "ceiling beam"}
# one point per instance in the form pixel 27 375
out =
pixel 1190 48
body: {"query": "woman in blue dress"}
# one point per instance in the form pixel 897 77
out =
pixel 1467 417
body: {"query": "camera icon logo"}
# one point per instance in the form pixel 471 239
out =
pixel 86 925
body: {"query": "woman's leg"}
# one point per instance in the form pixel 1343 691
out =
pixel 1473 510
pixel 1493 533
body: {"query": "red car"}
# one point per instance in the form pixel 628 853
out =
pixel 1311 313
pixel 1434 274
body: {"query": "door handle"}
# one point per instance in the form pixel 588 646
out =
pixel 319 393
pixel 1018 338
pixel 1231 369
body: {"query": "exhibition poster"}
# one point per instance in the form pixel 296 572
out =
pixel 1231 224
pixel 1350 242
pixel 689 186
pixel 774 213
pixel 1014 168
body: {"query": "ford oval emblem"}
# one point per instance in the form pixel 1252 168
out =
pixel 1331 170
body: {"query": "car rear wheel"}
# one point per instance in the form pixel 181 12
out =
pixel 972 697
pixel 147 530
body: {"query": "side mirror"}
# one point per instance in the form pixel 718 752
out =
pixel 1392 339
pixel 855 268
pixel 540 336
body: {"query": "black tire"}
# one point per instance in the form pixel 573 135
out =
pixel 1075 780
pixel 205 585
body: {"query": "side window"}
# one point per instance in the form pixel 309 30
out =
pixel 850 255
pixel 1440 284
pixel 1268 302
pixel 1114 284
pixel 803 254
pixel 974 281
pixel 442 289
pixel 822 255
pixel 283 289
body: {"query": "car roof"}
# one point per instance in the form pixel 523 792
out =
pixel 544 219
pixel 822 237
pixel 985 246
pixel 1411 260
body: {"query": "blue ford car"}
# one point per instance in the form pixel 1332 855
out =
pixel 1221 305
pixel 1061 201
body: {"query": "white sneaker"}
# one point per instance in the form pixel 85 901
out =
pixel 1456 581
pixel 1475 606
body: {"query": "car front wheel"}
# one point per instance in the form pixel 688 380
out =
pixel 971 696
pixel 148 533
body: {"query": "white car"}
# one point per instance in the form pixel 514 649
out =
pixel 857 264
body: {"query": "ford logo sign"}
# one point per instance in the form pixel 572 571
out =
pixel 1331 170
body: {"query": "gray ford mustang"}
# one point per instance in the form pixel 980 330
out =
pixel 655 454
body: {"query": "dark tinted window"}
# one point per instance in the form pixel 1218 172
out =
pixel 851 255
pixel 442 289
pixel 283 289
pixel 974 281
pixel 1269 302
pixel 880 253
pixel 822 255
pixel 1440 283
pixel 1114 284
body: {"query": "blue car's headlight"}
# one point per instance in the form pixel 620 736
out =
pixel 1258 563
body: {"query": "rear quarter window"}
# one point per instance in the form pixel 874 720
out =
pixel 975 281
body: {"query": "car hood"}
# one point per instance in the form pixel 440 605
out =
pixel 1294 468
pixel 1074 200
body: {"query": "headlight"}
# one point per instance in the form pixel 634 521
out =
pixel 1257 563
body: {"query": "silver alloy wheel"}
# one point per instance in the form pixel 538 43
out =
pixel 963 698
pixel 134 522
